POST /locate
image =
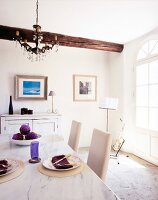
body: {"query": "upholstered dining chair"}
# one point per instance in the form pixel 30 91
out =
pixel 99 153
pixel 74 136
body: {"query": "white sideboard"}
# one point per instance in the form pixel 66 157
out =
pixel 42 123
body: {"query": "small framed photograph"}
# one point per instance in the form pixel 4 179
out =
pixel 30 87
pixel 84 88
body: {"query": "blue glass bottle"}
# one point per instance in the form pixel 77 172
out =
pixel 10 106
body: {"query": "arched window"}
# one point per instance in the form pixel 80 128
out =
pixel 147 86
pixel 149 49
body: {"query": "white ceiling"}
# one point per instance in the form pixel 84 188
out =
pixel 109 20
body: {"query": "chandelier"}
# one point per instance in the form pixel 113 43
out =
pixel 36 53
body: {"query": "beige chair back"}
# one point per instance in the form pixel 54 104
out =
pixel 74 137
pixel 99 153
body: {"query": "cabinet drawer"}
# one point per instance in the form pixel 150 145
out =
pixel 44 121
pixel 13 126
pixel 44 126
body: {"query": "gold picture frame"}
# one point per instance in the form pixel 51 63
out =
pixel 84 87
pixel 31 87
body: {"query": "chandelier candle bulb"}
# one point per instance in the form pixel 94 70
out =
pixel 17 33
pixel 38 30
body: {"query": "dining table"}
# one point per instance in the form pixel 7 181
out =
pixel 33 185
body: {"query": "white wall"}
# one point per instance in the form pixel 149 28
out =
pixel 59 67
pixel 116 63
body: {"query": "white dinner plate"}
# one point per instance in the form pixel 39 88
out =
pixel 74 160
pixel 25 142
pixel 13 166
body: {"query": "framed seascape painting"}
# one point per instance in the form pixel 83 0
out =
pixel 30 87
pixel 84 88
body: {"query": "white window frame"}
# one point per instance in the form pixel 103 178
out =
pixel 146 60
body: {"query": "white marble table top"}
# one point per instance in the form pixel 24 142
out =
pixel 32 185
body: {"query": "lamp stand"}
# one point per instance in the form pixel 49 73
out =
pixel 52 105
pixel 108 104
pixel 107 119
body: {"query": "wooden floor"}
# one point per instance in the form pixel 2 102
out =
pixel 133 179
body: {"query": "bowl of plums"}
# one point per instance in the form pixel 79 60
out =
pixel 25 136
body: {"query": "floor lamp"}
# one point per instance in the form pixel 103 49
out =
pixel 108 104
pixel 52 94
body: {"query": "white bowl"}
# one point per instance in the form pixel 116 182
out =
pixel 25 142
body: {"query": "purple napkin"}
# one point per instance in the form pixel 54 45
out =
pixel 3 166
pixel 63 164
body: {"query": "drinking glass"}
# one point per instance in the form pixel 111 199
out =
pixel 34 150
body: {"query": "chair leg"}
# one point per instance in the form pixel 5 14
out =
pixel 120 148
pixel 115 157
pixel 117 153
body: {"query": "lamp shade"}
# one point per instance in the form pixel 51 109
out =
pixel 51 93
pixel 109 103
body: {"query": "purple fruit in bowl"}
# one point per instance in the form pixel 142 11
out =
pixel 31 136
pixel 24 129
pixel 17 136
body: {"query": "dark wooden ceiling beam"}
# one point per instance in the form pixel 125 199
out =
pixel 9 33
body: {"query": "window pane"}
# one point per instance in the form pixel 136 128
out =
pixel 153 72
pixel 153 119
pixel 142 96
pixel 141 55
pixel 152 45
pixel 153 95
pixel 145 48
pixel 148 49
pixel 155 50
pixel 142 74
pixel 142 117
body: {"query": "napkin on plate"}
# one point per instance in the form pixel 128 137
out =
pixel 61 162
pixel 3 166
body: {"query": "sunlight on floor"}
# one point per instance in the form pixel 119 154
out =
pixel 130 163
